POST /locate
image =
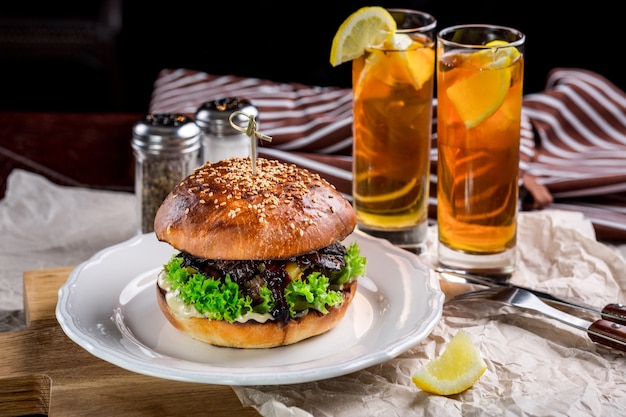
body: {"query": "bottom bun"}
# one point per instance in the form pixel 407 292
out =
pixel 253 334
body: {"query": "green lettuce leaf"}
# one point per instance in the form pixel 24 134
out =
pixel 219 300
pixel 311 292
pixel 268 301
pixel 212 298
pixel 355 266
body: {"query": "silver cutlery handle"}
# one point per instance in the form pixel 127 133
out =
pixel 608 333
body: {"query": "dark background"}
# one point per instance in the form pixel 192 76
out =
pixel 280 41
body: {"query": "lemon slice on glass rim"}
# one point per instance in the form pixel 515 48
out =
pixel 367 27
pixel 479 96
pixel 456 370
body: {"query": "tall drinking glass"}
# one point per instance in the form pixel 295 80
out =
pixel 480 72
pixel 393 94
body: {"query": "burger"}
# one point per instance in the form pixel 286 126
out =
pixel 259 259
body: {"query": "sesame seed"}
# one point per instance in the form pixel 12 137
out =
pixel 274 182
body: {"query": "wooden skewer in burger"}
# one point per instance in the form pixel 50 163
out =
pixel 260 261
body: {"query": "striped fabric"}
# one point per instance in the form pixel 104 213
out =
pixel 309 126
pixel 580 147
pixel 573 136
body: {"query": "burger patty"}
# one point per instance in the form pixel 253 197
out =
pixel 251 275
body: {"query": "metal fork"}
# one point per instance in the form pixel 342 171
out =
pixel 613 311
pixel 600 331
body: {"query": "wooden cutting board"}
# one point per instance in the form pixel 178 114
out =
pixel 44 372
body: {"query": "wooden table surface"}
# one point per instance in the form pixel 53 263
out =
pixel 44 372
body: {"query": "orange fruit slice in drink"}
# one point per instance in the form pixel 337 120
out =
pixel 404 62
pixel 422 66
pixel 457 369
pixel 413 57
pixel 367 27
pixel 503 56
pixel 392 195
pixel 479 96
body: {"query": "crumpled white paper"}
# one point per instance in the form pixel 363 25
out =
pixel 536 366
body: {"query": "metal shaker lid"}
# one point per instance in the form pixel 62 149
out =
pixel 213 116
pixel 166 133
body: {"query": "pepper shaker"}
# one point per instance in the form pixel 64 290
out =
pixel 219 139
pixel 167 149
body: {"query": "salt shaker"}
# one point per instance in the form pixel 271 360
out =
pixel 167 149
pixel 220 140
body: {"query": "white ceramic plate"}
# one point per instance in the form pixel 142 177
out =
pixel 108 306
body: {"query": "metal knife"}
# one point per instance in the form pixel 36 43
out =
pixel 615 312
pixel 601 331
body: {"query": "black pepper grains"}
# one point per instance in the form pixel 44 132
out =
pixel 167 149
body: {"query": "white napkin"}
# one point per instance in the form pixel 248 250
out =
pixel 44 225
pixel 536 366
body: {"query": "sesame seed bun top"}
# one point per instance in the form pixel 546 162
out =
pixel 223 211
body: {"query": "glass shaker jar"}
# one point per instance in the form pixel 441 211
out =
pixel 167 149
pixel 219 139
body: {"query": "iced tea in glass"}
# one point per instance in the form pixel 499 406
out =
pixel 393 94
pixel 479 90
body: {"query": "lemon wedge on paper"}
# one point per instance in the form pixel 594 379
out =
pixel 457 369
pixel 479 96
pixel 367 27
